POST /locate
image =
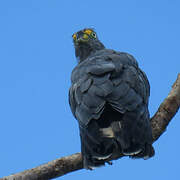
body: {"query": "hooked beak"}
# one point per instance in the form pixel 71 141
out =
pixel 81 37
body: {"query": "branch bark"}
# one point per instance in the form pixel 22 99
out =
pixel 62 166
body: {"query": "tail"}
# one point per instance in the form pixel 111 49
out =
pixel 146 153
pixel 95 148
pixel 131 130
pixel 115 133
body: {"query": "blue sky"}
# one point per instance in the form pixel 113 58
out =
pixel 36 60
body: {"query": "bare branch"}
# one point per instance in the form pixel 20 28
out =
pixel 62 166
pixel 166 111
pixel 50 170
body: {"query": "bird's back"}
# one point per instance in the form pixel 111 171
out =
pixel 109 98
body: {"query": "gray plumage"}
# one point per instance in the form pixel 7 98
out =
pixel 109 98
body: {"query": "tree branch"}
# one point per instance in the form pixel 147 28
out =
pixel 62 166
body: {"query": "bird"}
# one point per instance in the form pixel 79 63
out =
pixel 109 97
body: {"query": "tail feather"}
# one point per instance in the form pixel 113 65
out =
pixel 95 148
pixel 146 153
pixel 113 133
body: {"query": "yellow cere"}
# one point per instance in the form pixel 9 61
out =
pixel 74 36
pixel 85 36
pixel 88 31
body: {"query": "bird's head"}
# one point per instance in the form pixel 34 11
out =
pixel 86 42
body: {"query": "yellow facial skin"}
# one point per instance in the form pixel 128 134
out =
pixel 74 36
pixel 85 36
pixel 87 33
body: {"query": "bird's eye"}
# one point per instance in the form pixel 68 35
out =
pixel 93 34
